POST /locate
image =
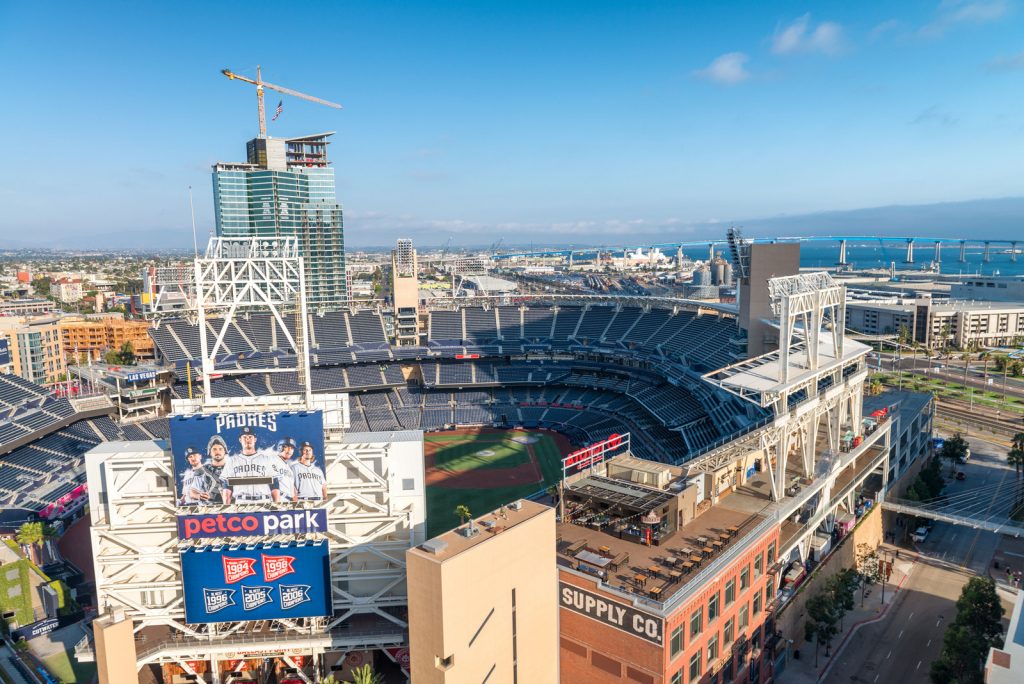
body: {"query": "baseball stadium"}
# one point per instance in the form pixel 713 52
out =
pixel 503 391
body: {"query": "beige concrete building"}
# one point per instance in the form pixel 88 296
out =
pixel 115 649
pixel 484 608
pixel 68 290
pixel 405 293
pixel 940 323
pixel 37 352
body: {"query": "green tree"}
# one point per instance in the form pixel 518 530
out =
pixel 868 567
pixel 1015 456
pixel 976 628
pixel 876 387
pixel 954 451
pixel 822 617
pixel 462 510
pixel 842 586
pixel 366 675
pixel 903 336
pixel 128 354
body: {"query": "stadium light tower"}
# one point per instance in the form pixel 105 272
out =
pixel 237 275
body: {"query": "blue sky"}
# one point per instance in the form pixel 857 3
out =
pixel 564 121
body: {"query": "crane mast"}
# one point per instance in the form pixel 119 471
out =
pixel 261 85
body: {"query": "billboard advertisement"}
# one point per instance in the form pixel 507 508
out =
pixel 256 582
pixel 226 458
pixel 587 458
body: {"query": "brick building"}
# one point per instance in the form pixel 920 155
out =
pixel 672 588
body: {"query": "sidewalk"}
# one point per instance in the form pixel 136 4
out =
pixel 803 671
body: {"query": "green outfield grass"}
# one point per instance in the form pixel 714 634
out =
pixel 460 453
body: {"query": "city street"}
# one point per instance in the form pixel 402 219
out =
pixel 901 646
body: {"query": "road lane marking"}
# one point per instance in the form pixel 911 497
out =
pixel 928 644
pixel 910 616
pixel 918 665
pixel 888 656
pixel 938 622
pixel 900 636
pixel 876 677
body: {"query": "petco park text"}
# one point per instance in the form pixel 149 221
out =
pixel 256 524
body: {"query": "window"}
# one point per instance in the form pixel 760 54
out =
pixel 745 578
pixel 758 565
pixel 712 649
pixel 727 632
pixel 444 663
pixel 677 641
pixel 757 602
pixel 771 553
pixel 730 592
pixel 677 678
pixel 695 667
pixel 713 608
pixel 744 616
pixel 696 622
pixel 408 484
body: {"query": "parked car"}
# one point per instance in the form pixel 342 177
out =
pixel 961 475
pixel 920 534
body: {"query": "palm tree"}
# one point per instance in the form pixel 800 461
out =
pixel 462 510
pixel 31 535
pixel 366 675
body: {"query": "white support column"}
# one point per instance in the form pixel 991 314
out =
pixel 910 251
pixel 963 251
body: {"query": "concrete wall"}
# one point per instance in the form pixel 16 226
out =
pixel 792 618
pixel 487 605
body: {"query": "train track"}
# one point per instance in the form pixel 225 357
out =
pixel 964 416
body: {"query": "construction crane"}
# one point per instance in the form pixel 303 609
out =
pixel 261 84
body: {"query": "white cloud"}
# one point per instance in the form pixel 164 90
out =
pixel 728 69
pixel 934 115
pixel 803 36
pixel 1008 63
pixel 883 28
pixel 952 13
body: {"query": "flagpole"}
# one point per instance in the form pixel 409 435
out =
pixel 192 207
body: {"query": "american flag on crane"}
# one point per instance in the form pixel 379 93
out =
pixel 277 112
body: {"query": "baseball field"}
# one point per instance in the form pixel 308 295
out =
pixel 486 468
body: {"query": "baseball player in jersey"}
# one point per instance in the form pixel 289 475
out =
pixel 210 484
pixel 250 463
pixel 285 476
pixel 191 479
pixel 310 483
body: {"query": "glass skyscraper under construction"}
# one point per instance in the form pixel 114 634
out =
pixel 286 188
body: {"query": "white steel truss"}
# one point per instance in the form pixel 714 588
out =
pixel 238 275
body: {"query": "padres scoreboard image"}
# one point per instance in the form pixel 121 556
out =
pixel 266 460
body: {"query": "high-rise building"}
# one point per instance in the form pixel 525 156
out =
pixel 286 188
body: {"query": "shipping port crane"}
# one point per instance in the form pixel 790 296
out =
pixel 261 84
